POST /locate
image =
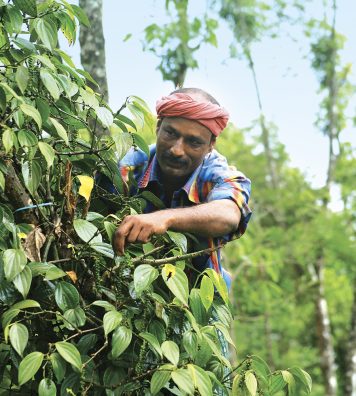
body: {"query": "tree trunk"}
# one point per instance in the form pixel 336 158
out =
pixel 327 354
pixel 92 45
pixel 350 387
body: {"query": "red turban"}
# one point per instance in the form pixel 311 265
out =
pixel 206 113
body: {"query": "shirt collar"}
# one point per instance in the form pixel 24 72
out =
pixel 152 173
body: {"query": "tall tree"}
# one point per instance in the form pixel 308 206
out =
pixel 334 84
pixel 176 42
pixel 92 44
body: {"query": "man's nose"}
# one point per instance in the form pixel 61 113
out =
pixel 178 148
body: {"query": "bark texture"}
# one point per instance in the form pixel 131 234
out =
pixel 326 347
pixel 350 388
pixel 18 195
pixel 92 45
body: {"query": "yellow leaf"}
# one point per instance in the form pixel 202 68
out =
pixel 169 271
pixel 86 186
pixel 72 275
pixel 21 235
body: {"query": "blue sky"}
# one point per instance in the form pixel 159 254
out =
pixel 288 85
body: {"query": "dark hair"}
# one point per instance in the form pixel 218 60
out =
pixel 199 91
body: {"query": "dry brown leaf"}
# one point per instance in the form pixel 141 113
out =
pixel 33 243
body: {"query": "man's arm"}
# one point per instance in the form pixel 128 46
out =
pixel 212 219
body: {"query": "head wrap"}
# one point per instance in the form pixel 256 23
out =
pixel 183 105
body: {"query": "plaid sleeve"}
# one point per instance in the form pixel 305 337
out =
pixel 236 187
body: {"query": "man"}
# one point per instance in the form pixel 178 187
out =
pixel 203 195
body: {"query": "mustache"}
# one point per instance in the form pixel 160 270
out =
pixel 173 159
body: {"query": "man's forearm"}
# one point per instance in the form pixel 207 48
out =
pixel 212 219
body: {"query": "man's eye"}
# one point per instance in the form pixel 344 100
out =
pixel 195 143
pixel 169 133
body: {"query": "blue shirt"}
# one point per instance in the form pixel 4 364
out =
pixel 213 179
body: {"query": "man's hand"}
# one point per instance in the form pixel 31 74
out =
pixel 139 228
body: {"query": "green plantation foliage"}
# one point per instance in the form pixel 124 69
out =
pixel 76 319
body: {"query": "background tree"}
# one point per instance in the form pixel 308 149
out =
pixel 92 45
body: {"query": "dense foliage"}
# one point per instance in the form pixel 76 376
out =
pixel 76 319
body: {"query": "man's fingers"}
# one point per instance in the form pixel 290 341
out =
pixel 120 237
pixel 134 233
pixel 144 236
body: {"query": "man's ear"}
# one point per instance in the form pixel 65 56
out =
pixel 212 143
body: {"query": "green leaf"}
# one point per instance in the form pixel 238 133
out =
pixel 80 14
pixel 110 229
pixel 47 388
pixel 121 339
pixel 29 366
pixel 23 280
pixel 53 273
pixel 123 142
pixel 18 337
pixel 47 32
pixel 15 20
pixel 171 351
pixel 50 83
pixel 200 379
pixel 69 353
pixel 159 380
pixel 289 379
pixel 26 304
pixel 43 108
pixel 7 317
pixel 235 391
pixel 87 231
pixel 149 196
pixel 182 379
pixel 104 248
pixel 277 383
pixel 60 130
pixel 303 376
pixel 206 292
pixel 219 283
pixel 2 181
pixel 190 343
pixel 126 120
pixel 66 296
pixel 140 142
pixel 27 6
pixel 2 101
pixel 22 76
pixel 259 366
pixel 75 318
pixel 29 142
pixel 31 178
pixel 144 275
pixel 44 59
pixel 14 262
pixel 111 321
pixel 179 239
pixel 176 281
pixel 48 152
pixel 105 116
pixel 8 139
pixel 33 113
pixel 58 365
pixel 251 383
pixel 153 342
pixel 104 304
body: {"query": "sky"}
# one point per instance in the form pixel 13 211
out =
pixel 287 83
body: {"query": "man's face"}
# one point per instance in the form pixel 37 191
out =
pixel 182 145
